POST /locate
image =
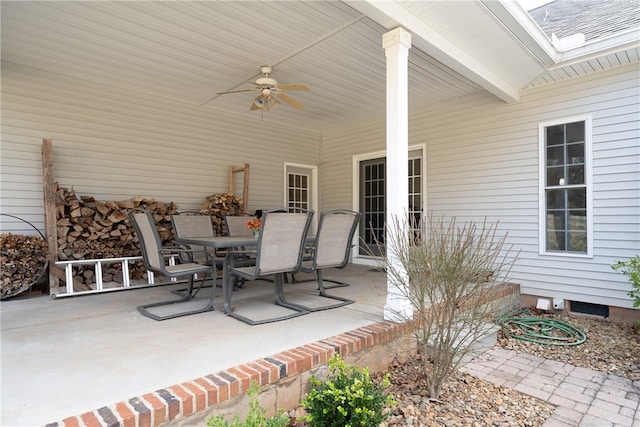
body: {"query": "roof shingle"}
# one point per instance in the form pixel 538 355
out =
pixel 593 18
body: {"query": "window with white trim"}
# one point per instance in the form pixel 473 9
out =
pixel 298 191
pixel 565 187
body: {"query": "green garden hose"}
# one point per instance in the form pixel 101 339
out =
pixel 541 331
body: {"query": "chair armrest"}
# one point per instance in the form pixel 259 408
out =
pixel 182 251
pixel 185 253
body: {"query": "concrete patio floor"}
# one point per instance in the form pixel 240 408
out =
pixel 70 355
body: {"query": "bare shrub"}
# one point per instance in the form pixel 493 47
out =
pixel 451 274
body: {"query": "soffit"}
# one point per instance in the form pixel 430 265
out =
pixel 475 29
pixel 188 51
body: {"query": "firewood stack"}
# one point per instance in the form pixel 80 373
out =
pixel 91 229
pixel 23 260
pixel 218 206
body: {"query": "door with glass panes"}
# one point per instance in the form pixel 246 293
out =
pixel 300 182
pixel 372 201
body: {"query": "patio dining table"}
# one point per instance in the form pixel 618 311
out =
pixel 220 242
pixel 226 242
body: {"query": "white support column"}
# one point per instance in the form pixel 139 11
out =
pixel 396 44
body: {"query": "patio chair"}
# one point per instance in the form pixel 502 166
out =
pixel 237 226
pixel 279 250
pixel 331 249
pixel 196 224
pixel 153 256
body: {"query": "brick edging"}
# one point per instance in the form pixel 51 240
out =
pixel 185 399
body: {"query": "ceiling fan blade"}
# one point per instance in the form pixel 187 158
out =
pixel 294 87
pixel 235 91
pixel 294 103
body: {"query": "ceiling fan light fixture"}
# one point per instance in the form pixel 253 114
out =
pixel 259 102
pixel 270 94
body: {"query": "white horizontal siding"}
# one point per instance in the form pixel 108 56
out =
pixel 114 146
pixel 337 161
pixel 482 161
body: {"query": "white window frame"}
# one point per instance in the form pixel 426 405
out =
pixel 588 177
pixel 313 188
pixel 355 169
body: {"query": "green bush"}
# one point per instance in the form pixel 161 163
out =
pixel 348 398
pixel 255 417
pixel 631 268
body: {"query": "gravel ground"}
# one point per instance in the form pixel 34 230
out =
pixel 464 401
pixel 610 347
pixel 469 401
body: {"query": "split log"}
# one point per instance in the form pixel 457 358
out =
pixel 24 260
pixel 218 206
pixel 91 229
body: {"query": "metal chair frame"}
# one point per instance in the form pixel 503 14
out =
pixel 153 258
pixel 279 250
pixel 331 249
pixel 237 226
pixel 196 224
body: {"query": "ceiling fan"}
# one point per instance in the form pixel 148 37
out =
pixel 270 93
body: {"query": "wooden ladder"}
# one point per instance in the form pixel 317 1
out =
pixel 233 170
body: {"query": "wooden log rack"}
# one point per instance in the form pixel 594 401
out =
pixel 82 230
pixel 233 170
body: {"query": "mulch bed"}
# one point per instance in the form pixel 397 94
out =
pixel 469 401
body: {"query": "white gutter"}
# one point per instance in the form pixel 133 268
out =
pixel 524 29
pixel 532 38
pixel 600 47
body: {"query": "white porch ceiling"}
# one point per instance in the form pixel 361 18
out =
pixel 190 50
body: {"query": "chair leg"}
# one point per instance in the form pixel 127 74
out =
pixel 227 290
pixel 338 284
pixel 190 290
pixel 278 287
pixel 143 309
pixel 322 293
pixel 280 300
pixel 322 289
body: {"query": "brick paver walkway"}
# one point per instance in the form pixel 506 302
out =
pixel 583 397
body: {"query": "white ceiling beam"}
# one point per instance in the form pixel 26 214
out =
pixel 391 14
